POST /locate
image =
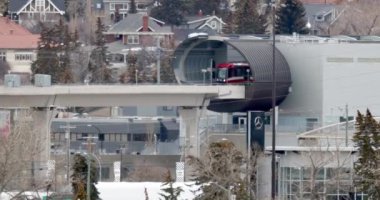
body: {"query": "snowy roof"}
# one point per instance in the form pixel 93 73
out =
pixel 135 190
pixel 134 22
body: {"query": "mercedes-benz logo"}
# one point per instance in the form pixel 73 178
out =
pixel 258 122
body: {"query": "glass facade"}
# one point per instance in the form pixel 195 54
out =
pixel 317 183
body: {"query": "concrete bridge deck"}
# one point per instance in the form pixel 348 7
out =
pixel 116 95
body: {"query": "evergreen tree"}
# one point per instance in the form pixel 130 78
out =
pixel 367 167
pixel 4 68
pixel 53 53
pixel 291 18
pixel 132 9
pixel 79 178
pixel 230 27
pixel 169 11
pixel 98 65
pixel 169 191
pixel 130 75
pixel 246 18
pixel 209 7
pixel 167 72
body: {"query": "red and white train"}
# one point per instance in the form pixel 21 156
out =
pixel 234 73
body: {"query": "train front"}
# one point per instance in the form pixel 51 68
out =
pixel 203 59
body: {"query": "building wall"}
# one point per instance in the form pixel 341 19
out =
pixel 327 76
pixel 305 98
pixel 19 60
pixel 351 74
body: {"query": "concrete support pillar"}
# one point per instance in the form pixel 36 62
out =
pixel 42 118
pixel 189 122
pixel 189 135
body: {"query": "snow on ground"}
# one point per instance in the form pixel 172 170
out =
pixel 135 190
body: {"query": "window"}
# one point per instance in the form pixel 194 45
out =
pixel 105 172
pixel 133 39
pixel 23 56
pixel 118 6
pixel 139 137
pixel 319 18
pixel 213 24
pixel 40 4
pixel 3 56
pixel 167 108
pixel 140 6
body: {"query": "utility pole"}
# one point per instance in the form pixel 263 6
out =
pixel 158 61
pixel 346 125
pixel 121 164
pixel 67 128
pixel 89 153
pixel 89 19
pixel 88 170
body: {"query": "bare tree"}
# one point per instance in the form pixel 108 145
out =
pixel 223 172
pixel 356 18
pixel 20 152
pixel 150 143
pixel 144 172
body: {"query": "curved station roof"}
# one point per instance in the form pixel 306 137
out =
pixel 195 57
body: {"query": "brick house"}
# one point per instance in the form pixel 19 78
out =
pixel 135 32
pixel 17 46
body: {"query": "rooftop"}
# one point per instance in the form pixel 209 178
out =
pixel 14 36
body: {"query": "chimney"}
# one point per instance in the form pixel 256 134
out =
pixel 200 13
pixel 11 32
pixel 145 23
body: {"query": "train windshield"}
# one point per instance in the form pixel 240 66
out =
pixel 222 73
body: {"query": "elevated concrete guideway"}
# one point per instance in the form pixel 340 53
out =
pixel 117 95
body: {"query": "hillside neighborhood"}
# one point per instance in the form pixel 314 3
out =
pixel 189 99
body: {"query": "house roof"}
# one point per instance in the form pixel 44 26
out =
pixel 133 23
pixel 195 22
pixel 14 36
pixel 17 5
pixel 313 10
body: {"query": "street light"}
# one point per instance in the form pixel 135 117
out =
pixel 204 75
pixel 136 75
pixel 100 136
pixel 308 26
pixel 99 165
pixel 273 181
pixel 89 143
pixel 122 148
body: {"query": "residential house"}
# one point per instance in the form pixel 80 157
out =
pixel 321 16
pixel 121 8
pixel 205 23
pixel 209 24
pixel 135 32
pixel 17 46
pixel 33 11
